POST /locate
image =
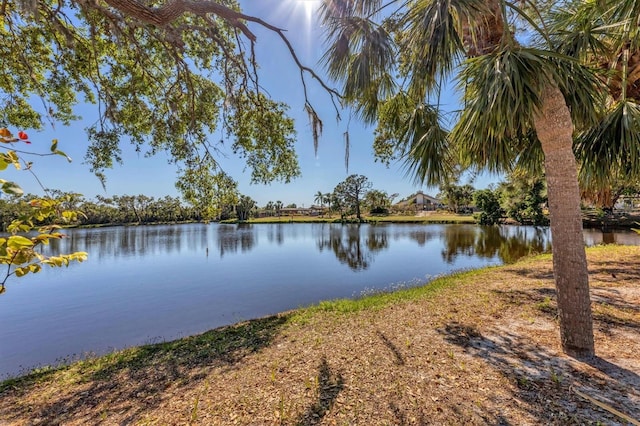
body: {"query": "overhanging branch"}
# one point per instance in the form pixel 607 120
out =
pixel 172 10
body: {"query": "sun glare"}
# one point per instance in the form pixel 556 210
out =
pixel 297 17
pixel 309 7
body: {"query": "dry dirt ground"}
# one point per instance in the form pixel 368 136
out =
pixel 482 351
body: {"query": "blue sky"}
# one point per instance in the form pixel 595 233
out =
pixel 280 77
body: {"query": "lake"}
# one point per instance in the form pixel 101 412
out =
pixel 152 283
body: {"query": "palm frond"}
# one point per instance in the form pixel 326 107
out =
pixel 612 147
pixel 623 9
pixel 583 90
pixel 577 30
pixel 434 43
pixel 338 9
pixel 502 93
pixel 604 34
pixel 428 154
pixel 530 160
pixel 413 132
pixel 362 56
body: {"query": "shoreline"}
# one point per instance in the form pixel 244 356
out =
pixel 450 350
pixel 620 223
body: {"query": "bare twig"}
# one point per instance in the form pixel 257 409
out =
pixel 174 9
pixel 606 407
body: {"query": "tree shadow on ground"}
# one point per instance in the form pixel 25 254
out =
pixel 329 385
pixel 610 309
pixel 542 274
pixel 613 269
pixel 133 380
pixel 607 270
pixel 546 383
pixel 399 358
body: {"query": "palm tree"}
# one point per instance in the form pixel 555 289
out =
pixel 521 105
pixel 602 34
pixel 244 207
pixel 326 198
pixel 269 207
pixel 319 198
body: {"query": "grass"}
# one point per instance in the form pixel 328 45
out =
pixel 385 298
pixel 474 347
pixel 435 217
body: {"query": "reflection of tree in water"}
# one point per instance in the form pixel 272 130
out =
pixel 232 238
pixel 347 244
pixel 508 244
pixel 275 232
pixel 525 242
pixel 458 240
pixel 422 236
pixel 121 241
pixel 608 237
pixel 377 239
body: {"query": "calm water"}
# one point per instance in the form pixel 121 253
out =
pixel 152 283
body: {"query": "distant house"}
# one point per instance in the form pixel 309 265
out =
pixel 420 201
pixel 427 202
pixel 627 203
pixel 300 211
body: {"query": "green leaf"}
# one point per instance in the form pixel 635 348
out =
pixel 12 188
pixel 58 152
pixel 79 256
pixel 20 272
pixel 18 241
pixel 13 158
pixel 69 215
pixel 54 145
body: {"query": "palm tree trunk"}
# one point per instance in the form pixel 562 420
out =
pixel 555 128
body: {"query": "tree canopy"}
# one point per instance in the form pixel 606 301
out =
pixel 164 77
pixel 350 192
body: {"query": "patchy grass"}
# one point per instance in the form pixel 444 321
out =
pixel 475 347
pixel 293 219
pixel 382 299
pixel 428 217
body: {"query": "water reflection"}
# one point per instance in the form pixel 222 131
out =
pixel 116 242
pixel 505 243
pixel 275 233
pixel 457 241
pixel 422 236
pixel 357 246
pixel 353 245
pixel 234 238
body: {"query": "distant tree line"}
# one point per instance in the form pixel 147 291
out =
pixel 125 209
